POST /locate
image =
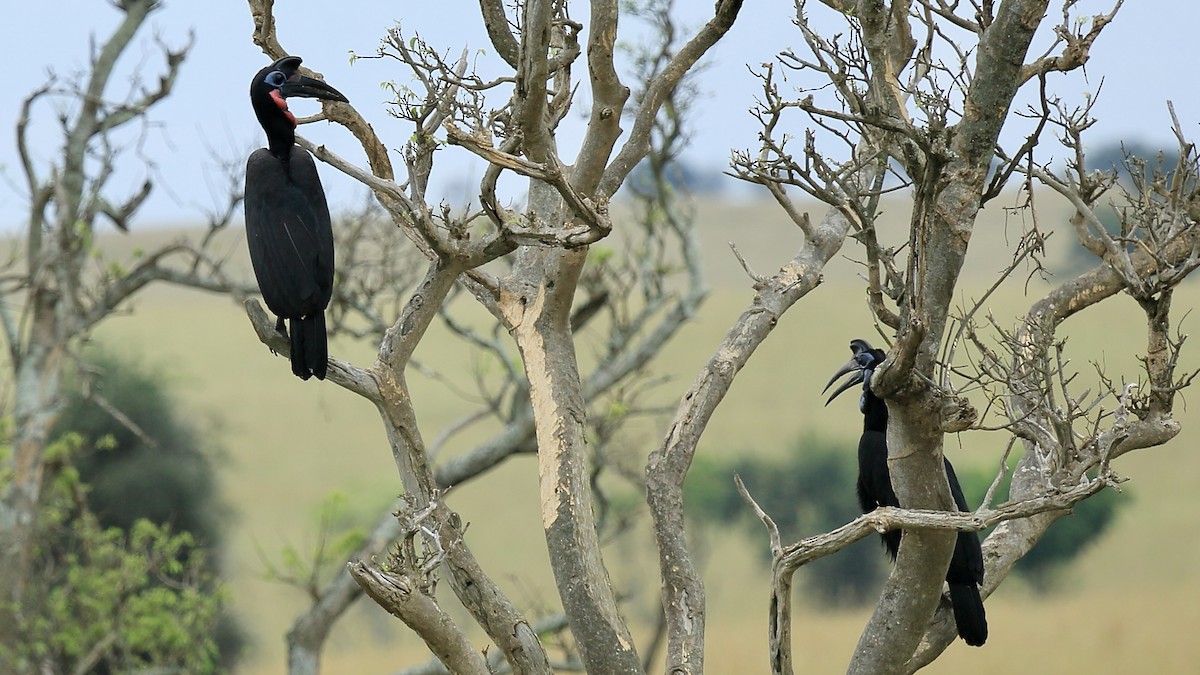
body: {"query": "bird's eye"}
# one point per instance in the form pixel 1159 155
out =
pixel 276 78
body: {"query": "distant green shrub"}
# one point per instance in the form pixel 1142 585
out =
pixel 1067 538
pixel 808 491
pixel 812 490
pixel 139 459
pixel 106 599
pixel 157 466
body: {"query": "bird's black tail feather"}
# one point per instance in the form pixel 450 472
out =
pixel 968 613
pixel 310 349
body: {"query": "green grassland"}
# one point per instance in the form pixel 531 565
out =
pixel 1126 607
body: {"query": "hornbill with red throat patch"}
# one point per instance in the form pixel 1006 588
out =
pixel 965 573
pixel 287 220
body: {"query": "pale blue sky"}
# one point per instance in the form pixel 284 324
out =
pixel 1145 59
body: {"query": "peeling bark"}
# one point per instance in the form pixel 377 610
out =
pixel 683 590
pixel 403 597
pixel 536 302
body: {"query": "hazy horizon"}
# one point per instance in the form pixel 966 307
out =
pixel 209 114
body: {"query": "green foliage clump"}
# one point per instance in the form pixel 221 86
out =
pixel 1066 539
pixel 808 491
pixel 812 490
pixel 140 592
pixel 111 600
pixel 135 460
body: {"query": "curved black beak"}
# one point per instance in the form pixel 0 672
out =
pixel 851 366
pixel 307 87
pixel 857 346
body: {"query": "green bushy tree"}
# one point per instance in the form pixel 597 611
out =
pixel 141 460
pixel 807 491
pixel 109 599
pixel 1065 540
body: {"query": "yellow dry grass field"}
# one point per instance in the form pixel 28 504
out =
pixel 1127 607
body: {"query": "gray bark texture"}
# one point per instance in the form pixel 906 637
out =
pixel 946 156
pixel 534 300
pixel 903 101
pixel 55 283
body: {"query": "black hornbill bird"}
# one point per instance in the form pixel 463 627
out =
pixel 287 219
pixel 965 573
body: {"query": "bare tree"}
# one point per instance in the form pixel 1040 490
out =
pixel 909 96
pixel 910 103
pixel 60 286
pixel 543 250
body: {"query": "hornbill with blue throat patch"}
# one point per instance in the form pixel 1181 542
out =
pixel 965 573
pixel 287 220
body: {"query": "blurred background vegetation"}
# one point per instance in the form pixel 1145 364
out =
pixel 132 536
pixel 299 486
pixel 198 493
pixel 145 458
pixel 810 489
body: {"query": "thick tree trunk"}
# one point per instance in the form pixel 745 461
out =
pixel 947 201
pixel 914 587
pixel 36 406
pixel 536 301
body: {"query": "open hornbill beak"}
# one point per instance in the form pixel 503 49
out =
pixel 850 366
pixel 855 365
pixel 307 87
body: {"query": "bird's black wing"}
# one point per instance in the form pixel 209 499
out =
pixel 875 482
pixel 304 172
pixel 967 563
pixel 291 243
pixel 965 575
